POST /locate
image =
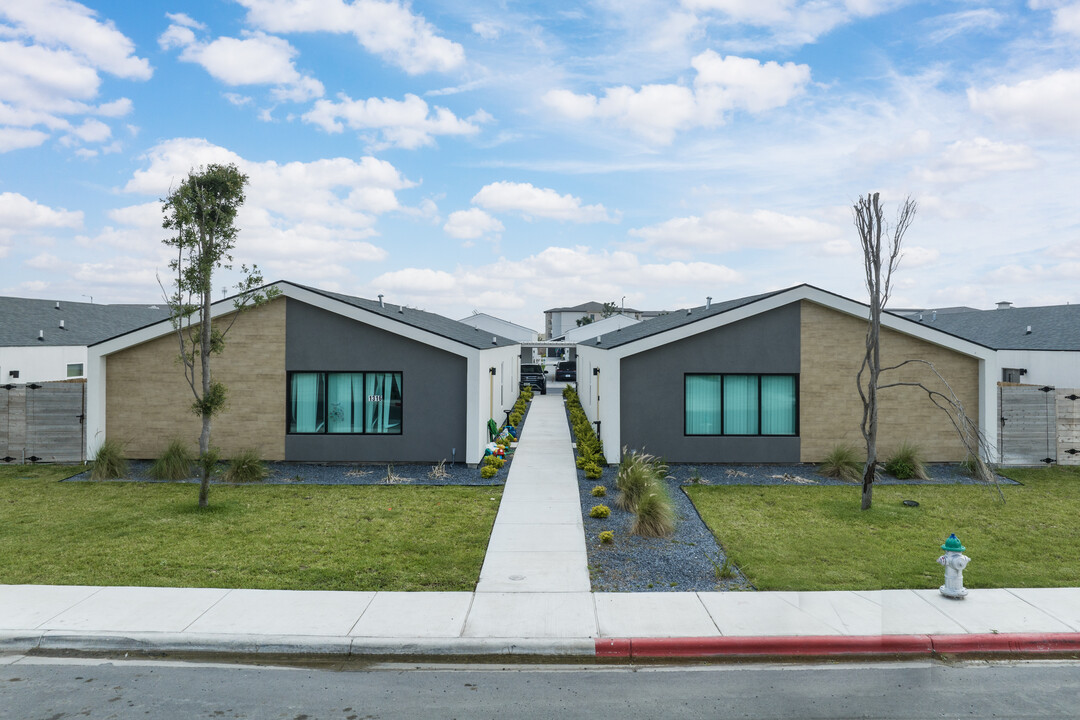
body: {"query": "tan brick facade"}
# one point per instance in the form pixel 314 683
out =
pixel 830 410
pixel 148 401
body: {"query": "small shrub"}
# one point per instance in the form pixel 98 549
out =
pixel 906 463
pixel 842 462
pixel 515 418
pixel 245 466
pixel 655 515
pixel 607 537
pixel 488 471
pixel 174 464
pixel 494 461
pixel 593 471
pixel 600 511
pixel 109 463
pixel 599 491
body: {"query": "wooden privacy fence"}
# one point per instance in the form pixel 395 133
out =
pixel 43 422
pixel 1040 425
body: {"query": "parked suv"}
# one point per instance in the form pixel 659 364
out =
pixel 567 370
pixel 534 375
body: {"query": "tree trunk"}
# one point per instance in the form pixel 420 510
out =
pixel 204 436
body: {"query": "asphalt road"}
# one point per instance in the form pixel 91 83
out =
pixel 33 688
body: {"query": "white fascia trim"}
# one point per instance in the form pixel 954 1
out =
pixel 835 302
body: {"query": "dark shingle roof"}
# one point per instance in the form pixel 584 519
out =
pixel 429 322
pixel 1053 327
pixel 672 320
pixel 21 319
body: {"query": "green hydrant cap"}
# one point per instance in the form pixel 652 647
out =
pixel 953 544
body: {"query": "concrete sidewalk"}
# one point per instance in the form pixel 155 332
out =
pixel 548 623
pixel 533 598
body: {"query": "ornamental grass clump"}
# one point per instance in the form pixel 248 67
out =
pixel 636 473
pixel 655 514
pixel 174 464
pixel 245 467
pixel 842 462
pixel 109 463
pixel 906 463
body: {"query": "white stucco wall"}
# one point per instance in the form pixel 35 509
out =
pixel 39 364
pixel 1044 367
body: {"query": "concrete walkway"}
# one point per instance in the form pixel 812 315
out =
pixel 533 598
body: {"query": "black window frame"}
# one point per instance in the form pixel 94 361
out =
pixel 323 402
pixel 722 375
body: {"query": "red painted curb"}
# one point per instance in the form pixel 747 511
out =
pixel 836 645
pixel 1007 643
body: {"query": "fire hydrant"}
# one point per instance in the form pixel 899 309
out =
pixel 954 561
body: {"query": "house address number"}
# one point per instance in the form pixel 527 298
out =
pixel 374 398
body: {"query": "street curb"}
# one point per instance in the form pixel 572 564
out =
pixel 326 646
pixel 838 645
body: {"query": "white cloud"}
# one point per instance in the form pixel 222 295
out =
pixel 1067 20
pixel 255 59
pixel 299 219
pixel 722 85
pixel 1050 102
pixel 487 30
pixel 19 213
pixel 384 27
pixel 68 24
pixel 967 160
pixel 50 57
pixel 470 224
pixel 952 24
pixel 915 256
pixel 791 22
pixel 729 230
pixel 532 201
pixel 408 123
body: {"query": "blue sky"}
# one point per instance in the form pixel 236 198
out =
pixel 510 157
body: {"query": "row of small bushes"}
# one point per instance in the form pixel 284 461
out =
pixel 178 462
pixel 843 462
pixel 517 413
pixel 590 451
pixel 492 463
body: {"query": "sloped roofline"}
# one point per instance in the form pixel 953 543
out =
pixel 699 320
pixel 296 291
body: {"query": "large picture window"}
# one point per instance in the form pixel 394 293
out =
pixel 345 403
pixel 739 404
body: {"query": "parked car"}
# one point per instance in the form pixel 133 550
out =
pixel 567 370
pixel 534 375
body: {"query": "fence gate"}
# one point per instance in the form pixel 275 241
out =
pixel 1028 425
pixel 42 422
pixel 1068 426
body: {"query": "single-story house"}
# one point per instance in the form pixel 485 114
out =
pixel 771 378
pixel 46 340
pixel 312 376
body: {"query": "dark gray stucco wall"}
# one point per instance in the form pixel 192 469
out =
pixel 433 383
pixel 652 392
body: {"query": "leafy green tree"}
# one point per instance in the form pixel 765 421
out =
pixel 584 320
pixel 610 309
pixel 201 214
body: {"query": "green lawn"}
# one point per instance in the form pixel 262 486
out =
pixel 295 537
pixel 816 538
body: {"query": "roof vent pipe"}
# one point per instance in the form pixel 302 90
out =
pixel 597 339
pixel 40 334
pixel 920 317
pixel 57 304
pixel 1028 332
pixel 494 341
pixel 933 316
pixel 401 309
pixel 61 324
pixel 708 303
pixel 689 310
pixel 381 301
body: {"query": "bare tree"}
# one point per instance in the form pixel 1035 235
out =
pixel 881 257
pixel 873 230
